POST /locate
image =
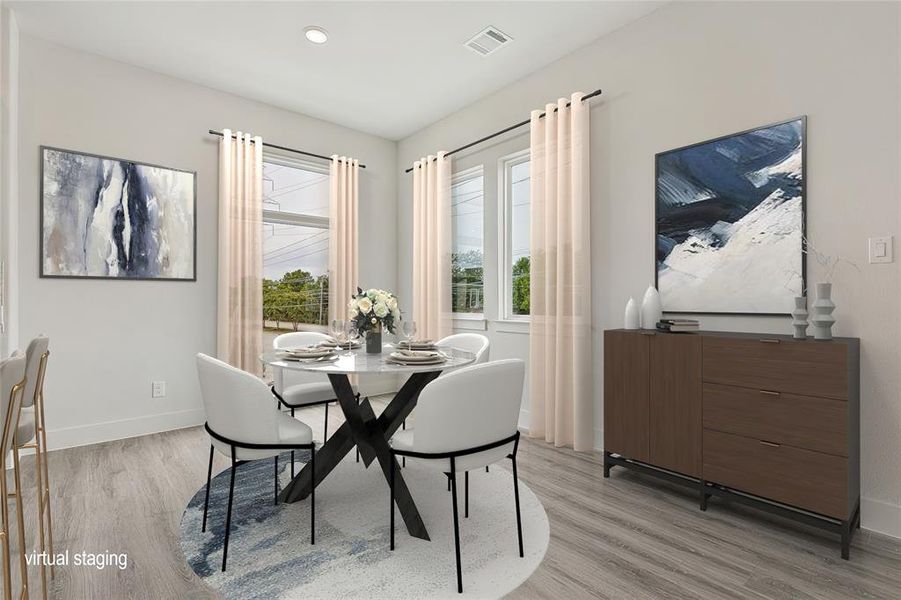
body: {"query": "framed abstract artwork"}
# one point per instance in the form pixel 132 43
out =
pixel 109 218
pixel 730 222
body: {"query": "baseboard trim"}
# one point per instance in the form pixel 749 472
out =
pixel 880 517
pixel 97 433
pixel 85 435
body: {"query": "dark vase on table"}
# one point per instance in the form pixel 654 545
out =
pixel 374 341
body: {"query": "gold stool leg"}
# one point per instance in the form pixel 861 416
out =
pixel 39 458
pixel 4 517
pixel 41 433
pixel 20 515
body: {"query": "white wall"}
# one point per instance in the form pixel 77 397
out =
pixel 693 71
pixel 9 177
pixel 109 339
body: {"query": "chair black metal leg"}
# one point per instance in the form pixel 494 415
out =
pixel 228 515
pixel 325 427
pixel 275 498
pixel 209 476
pixel 453 479
pixel 486 468
pixel 313 499
pixel 448 481
pixel 358 455
pixel 516 495
pixel 466 495
pixel 292 412
pixel 404 425
pixel 391 485
pixel 403 460
pixel 292 464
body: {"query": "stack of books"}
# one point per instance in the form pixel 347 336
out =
pixel 678 325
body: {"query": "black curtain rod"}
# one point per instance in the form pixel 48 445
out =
pixel 286 149
pixel 506 129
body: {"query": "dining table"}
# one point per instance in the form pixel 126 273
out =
pixel 362 429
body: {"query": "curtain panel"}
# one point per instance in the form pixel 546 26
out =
pixel 344 276
pixel 432 246
pixel 560 377
pixel 240 291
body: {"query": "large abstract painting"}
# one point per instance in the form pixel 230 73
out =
pixel 730 222
pixel 109 218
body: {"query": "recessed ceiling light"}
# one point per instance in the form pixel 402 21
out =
pixel 317 35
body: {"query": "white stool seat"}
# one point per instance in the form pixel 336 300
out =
pixel 25 432
pixel 303 394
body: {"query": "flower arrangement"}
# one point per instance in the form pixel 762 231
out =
pixel 374 310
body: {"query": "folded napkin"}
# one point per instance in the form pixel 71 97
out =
pixel 307 350
pixel 419 353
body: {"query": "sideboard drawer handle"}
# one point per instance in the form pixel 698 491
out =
pixel 770 444
pixel 770 340
pixel 770 393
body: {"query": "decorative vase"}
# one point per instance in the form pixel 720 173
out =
pixel 374 341
pixel 631 320
pixel 799 317
pixel 651 311
pixel 822 312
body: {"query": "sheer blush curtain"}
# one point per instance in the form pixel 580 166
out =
pixel 343 259
pixel 240 302
pixel 560 378
pixel 432 246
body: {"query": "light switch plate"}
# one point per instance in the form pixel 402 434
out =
pixel 158 389
pixel 881 249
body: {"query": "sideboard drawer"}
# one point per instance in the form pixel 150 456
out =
pixel 802 478
pixel 778 364
pixel 819 424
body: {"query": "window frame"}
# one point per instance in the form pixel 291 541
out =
pixel 290 218
pixel 456 179
pixel 505 237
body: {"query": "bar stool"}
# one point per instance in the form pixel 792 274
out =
pixel 12 387
pixel 31 434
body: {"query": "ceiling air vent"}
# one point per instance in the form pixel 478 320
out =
pixel 488 41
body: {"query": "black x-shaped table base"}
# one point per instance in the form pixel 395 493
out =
pixel 370 434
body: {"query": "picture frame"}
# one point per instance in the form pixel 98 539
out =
pixel 769 174
pixel 158 224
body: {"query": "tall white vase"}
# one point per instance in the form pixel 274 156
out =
pixel 799 317
pixel 822 318
pixel 651 310
pixel 631 319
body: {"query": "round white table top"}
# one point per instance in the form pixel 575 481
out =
pixel 359 362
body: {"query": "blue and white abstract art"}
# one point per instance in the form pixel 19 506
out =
pixel 730 222
pixel 109 218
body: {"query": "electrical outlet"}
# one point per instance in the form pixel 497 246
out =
pixel 881 249
pixel 158 389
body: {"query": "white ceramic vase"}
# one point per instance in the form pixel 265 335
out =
pixel 631 319
pixel 823 307
pixel 651 310
pixel 799 317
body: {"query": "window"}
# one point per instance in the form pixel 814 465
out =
pixel 516 261
pixel 467 262
pixel 295 245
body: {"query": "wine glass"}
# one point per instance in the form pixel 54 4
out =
pixel 409 328
pixel 337 329
pixel 351 333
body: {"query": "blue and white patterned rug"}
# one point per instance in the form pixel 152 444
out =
pixel 270 555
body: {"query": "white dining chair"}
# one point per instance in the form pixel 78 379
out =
pixel 475 343
pixel 31 435
pixel 449 438
pixel 243 425
pixel 12 388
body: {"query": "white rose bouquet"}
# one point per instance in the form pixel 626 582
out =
pixel 374 310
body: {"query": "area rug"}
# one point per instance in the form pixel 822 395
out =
pixel 270 555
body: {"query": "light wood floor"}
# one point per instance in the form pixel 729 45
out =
pixel 624 537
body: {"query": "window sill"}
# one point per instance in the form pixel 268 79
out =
pixel 470 322
pixel 512 326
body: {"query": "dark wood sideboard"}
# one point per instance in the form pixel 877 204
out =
pixel 766 420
